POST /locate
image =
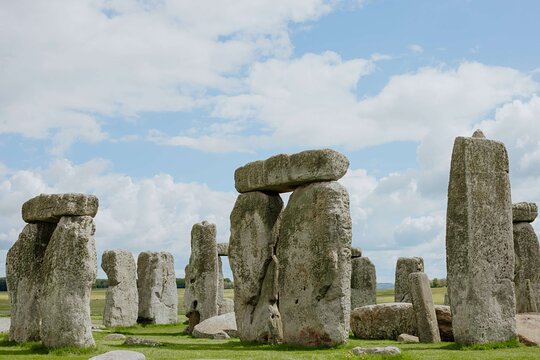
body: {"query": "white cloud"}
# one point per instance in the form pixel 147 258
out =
pixel 416 49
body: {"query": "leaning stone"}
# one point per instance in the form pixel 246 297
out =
pixel 24 276
pixel 122 299
pixel 444 321
pixel 524 212
pixel 50 208
pixel 408 338
pixel 363 282
pixel 426 319
pixel 283 173
pixel 356 252
pixel 405 267
pixel 120 355
pixel 223 249
pixel 387 350
pixel 254 268
pixel 69 268
pixel 527 267
pixel 132 340
pixel 314 252
pixel 114 337
pixel 217 327
pixel 158 298
pixel 528 329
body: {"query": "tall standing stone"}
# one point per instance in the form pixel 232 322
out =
pixel 254 268
pixel 158 298
pixel 314 252
pixel 122 299
pixel 479 244
pixel 69 268
pixel 24 275
pixel 363 282
pixel 424 310
pixel 405 267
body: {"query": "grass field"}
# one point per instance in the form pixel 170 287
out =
pixel 177 345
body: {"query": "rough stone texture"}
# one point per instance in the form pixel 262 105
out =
pixel 444 321
pixel 158 299
pixel 387 350
pixel 314 252
pixel 120 355
pixel 132 340
pixel 114 337
pixel 528 329
pixel 50 208
pixel 217 327
pixel 356 252
pixel 283 173
pixel 363 282
pixel 408 338
pixel 69 267
pixel 524 212
pixel 479 245
pixel 24 276
pixel 405 267
pixel 122 299
pixel 426 319
pixel 223 249
pixel 226 306
pixel 527 267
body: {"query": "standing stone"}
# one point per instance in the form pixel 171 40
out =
pixel 51 207
pixel 479 244
pixel 314 252
pixel 69 268
pixel 24 276
pixel 363 282
pixel 254 267
pixel 405 267
pixel 426 319
pixel 158 298
pixel 122 299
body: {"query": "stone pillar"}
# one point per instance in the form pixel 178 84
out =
pixel 479 244
pixel 363 282
pixel 405 267
pixel 122 299
pixel 424 310
pixel 156 283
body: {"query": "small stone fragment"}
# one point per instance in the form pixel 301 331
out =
pixel 363 282
pixel 217 327
pixel 387 350
pixel 356 252
pixel 132 340
pixel 408 338
pixel 426 319
pixel 223 249
pixel 405 267
pixel 120 355
pixel 114 337
pixel 528 329
pixel 524 212
pixel 51 207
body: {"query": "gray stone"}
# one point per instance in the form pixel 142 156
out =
pixel 528 329
pixel 408 338
pixel 24 276
pixel 283 173
pixel 254 267
pixel 444 321
pixel 226 306
pixel 314 252
pixel 132 340
pixel 383 321
pixel 387 350
pixel 50 208
pixel 223 249
pixel 424 311
pixel 363 282
pixel 479 245
pixel 356 252
pixel 524 212
pixel 158 298
pixel 114 337
pixel 527 267
pixel 122 299
pixel 217 327
pixel 405 267
pixel 69 268
pixel 120 355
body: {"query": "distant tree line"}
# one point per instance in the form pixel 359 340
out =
pixel 438 283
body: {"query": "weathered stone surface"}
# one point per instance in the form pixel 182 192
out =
pixel 223 249
pixel 114 337
pixel 122 299
pixel 254 268
pixel 24 276
pixel 314 252
pixel 51 207
pixel 444 321
pixel 426 319
pixel 217 327
pixel 528 329
pixel 527 267
pixel 387 350
pixel 283 173
pixel 120 355
pixel 363 282
pixel 132 340
pixel 479 245
pixel 405 267
pixel 69 267
pixel 408 338
pixel 158 299
pixel 226 306
pixel 524 212
pixel 356 252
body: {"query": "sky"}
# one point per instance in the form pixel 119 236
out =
pixel 151 105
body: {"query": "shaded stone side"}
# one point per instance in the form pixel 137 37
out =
pixel 156 283
pixel 479 245
pixel 314 252
pixel 24 277
pixel 363 282
pixel 69 267
pixel 424 311
pixel 51 207
pixel 122 298
pixel 254 268
pixel 405 267
pixel 527 267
